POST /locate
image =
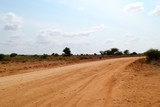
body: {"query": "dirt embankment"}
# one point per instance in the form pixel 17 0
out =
pixel 107 83
pixel 138 86
pixel 24 64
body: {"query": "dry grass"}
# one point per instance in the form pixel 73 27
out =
pixel 29 63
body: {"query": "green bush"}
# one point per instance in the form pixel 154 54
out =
pixel 133 53
pixel 118 53
pixel 95 54
pixel 56 54
pixel 44 56
pixel 35 56
pixel 152 54
pixel 13 55
pixel 2 56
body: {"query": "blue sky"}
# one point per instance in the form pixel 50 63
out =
pixel 85 26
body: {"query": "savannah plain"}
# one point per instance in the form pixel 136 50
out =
pixel 85 81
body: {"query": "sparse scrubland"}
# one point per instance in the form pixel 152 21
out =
pixel 119 82
pixel 16 63
pixel 124 79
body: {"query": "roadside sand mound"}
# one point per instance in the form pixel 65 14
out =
pixel 139 86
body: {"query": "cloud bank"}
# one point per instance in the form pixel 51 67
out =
pixel 58 32
pixel 134 7
pixel 155 12
pixel 12 22
pixel 46 36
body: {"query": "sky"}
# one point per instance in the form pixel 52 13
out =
pixel 85 26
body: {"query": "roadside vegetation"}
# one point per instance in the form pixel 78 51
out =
pixel 67 55
pixel 2 56
pixel 117 52
pixel 17 63
pixel 152 55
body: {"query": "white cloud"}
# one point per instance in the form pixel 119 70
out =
pixel 12 21
pixel 134 7
pixel 57 32
pixel 155 12
pixel 8 26
pixel 47 36
pixel 17 35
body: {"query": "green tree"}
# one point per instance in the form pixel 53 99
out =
pixel 53 54
pixel 102 52
pixel 13 54
pixel 114 50
pixel 67 51
pixel 126 52
pixel 2 56
pixel 108 52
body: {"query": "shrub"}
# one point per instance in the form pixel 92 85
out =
pixel 56 54
pixel 44 56
pixel 35 56
pixel 2 56
pixel 152 54
pixel 95 54
pixel 13 55
pixel 133 53
pixel 118 53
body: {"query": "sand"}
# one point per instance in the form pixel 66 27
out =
pixel 107 83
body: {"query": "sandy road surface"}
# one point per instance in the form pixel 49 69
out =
pixel 80 85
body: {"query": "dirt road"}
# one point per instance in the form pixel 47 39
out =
pixel 81 85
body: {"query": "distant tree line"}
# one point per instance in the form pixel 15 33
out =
pixel 115 51
pixel 2 56
pixel 151 54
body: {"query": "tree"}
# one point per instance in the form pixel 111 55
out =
pixel 114 50
pixel 102 52
pixel 13 54
pixel 2 56
pixel 67 51
pixel 108 52
pixel 126 52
